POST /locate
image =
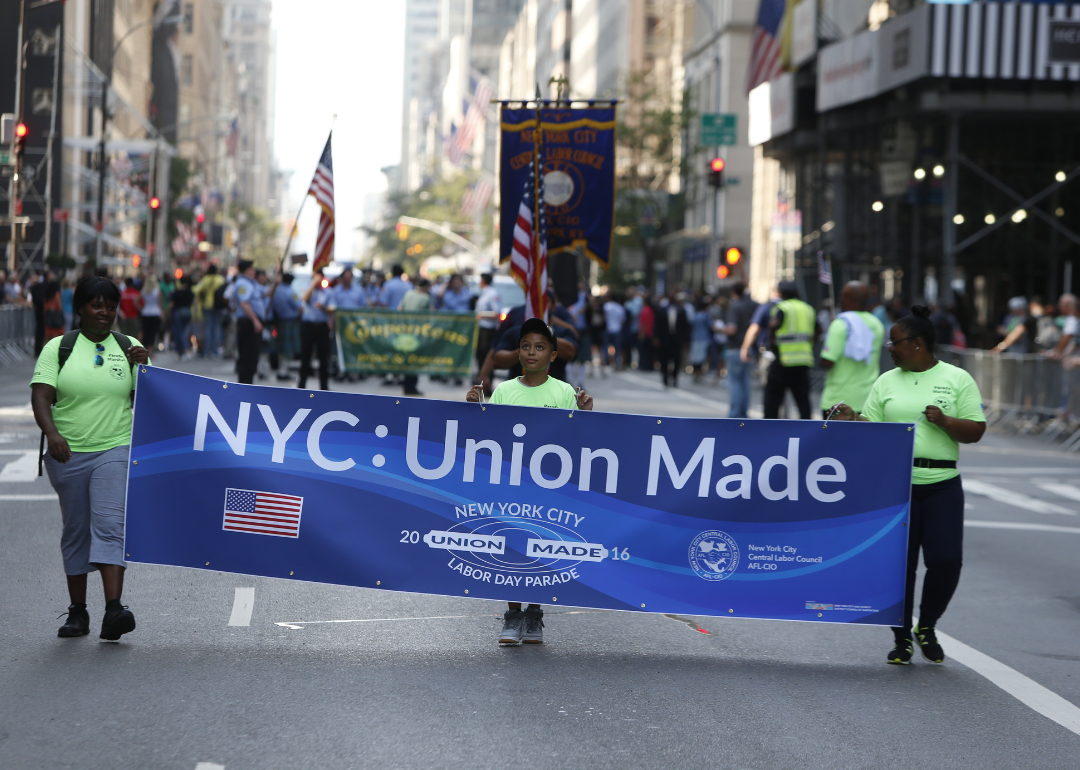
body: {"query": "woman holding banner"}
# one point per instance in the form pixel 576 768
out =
pixel 945 404
pixel 81 395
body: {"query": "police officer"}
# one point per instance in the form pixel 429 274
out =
pixel 250 311
pixel 794 329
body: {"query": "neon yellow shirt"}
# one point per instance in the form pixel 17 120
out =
pixel 93 403
pixel 554 394
pixel 849 380
pixel 901 396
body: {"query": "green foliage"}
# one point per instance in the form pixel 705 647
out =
pixel 258 238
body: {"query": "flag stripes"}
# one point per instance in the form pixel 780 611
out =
pixel 322 189
pixel 262 513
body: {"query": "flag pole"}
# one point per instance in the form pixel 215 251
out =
pixel 303 200
pixel 538 135
pixel 832 289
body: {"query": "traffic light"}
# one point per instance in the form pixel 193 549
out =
pixel 136 260
pixel 716 172
pixel 21 132
pixel 723 272
pixel 155 203
pixel 178 273
pixel 732 255
pixel 200 217
pixel 402 231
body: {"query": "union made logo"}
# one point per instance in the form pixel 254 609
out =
pixel 714 555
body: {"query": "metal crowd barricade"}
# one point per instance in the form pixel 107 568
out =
pixel 16 333
pixel 1024 393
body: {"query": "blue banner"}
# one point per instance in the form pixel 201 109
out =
pixel 784 519
pixel 579 177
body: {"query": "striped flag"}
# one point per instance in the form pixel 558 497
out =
pixel 262 513
pixel 824 269
pixel 474 119
pixel 528 261
pixel 322 188
pixel 476 197
pixel 453 152
pixel 765 63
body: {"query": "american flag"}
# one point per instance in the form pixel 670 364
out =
pixel 476 197
pixel 232 137
pixel 765 63
pixel 262 513
pixel 824 269
pixel 322 187
pixel 474 118
pixel 453 152
pixel 187 237
pixel 528 261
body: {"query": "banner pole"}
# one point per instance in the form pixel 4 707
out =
pixel 538 137
pixel 299 211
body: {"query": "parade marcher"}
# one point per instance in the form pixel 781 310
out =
pixel 739 313
pixel 794 330
pixel 614 319
pixel 537 349
pixel 488 307
pixel 415 300
pixel 206 293
pixel 395 289
pixel 672 333
pixel 249 315
pixel 945 404
pixel 150 316
pixel 180 308
pixel 286 306
pixel 346 295
pixel 81 395
pixel 130 308
pixel 455 296
pixel 851 356
pixel 315 331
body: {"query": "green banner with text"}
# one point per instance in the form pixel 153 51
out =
pixel 394 342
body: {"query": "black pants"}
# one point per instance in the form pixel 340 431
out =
pixel 784 378
pixel 248 342
pixel 937 526
pixel 315 334
pixel 150 326
pixel 483 345
pixel 670 357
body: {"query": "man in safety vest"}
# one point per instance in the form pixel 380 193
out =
pixel 794 329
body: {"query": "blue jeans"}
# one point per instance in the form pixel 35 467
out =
pixel 612 340
pixel 212 333
pixel 738 377
pixel 181 319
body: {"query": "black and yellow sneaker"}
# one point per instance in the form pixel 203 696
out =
pixel 900 655
pixel 928 643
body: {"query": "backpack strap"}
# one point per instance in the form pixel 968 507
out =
pixel 67 344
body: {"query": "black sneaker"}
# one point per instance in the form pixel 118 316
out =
pixel 513 620
pixel 78 622
pixel 532 631
pixel 118 621
pixel 901 653
pixel 928 643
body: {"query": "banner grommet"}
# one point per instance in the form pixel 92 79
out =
pixel 225 385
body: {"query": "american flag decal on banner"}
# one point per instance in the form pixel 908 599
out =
pixel 262 513
pixel 322 188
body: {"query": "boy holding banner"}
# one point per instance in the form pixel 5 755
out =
pixel 537 349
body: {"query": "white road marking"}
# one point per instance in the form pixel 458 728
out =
pixel 16 411
pixel 12 451
pixel 299 624
pixel 1064 490
pixel 243 604
pixel 209 766
pixel 29 497
pixel 1015 499
pixel 1026 690
pixel 1014 471
pixel 1020 525
pixel 22 470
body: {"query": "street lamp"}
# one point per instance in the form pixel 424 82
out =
pixel 106 81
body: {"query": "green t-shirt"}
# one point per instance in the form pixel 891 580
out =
pixel 93 403
pixel 902 396
pixel 415 301
pixel 555 394
pixel 849 380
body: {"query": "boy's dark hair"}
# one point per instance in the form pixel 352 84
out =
pixel 537 326
pixel 92 287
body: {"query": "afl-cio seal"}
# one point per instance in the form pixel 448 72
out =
pixel 714 555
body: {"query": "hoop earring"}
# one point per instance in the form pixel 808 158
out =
pixel 916 347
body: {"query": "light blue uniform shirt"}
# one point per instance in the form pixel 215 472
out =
pixel 286 304
pixel 392 292
pixel 312 314
pixel 252 293
pixel 457 302
pixel 350 298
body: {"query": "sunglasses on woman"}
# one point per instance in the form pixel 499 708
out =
pixel 99 360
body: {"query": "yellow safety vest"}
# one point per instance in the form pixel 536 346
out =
pixel 795 337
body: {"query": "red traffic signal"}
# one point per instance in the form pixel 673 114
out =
pixel 200 218
pixel 722 272
pixel 21 131
pixel 733 255
pixel 716 172
pixel 155 203
pixel 136 260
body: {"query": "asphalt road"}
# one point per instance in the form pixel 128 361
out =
pixel 319 676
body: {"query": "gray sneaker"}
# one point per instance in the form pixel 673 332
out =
pixel 533 630
pixel 511 630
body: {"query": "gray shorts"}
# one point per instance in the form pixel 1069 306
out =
pixel 92 487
